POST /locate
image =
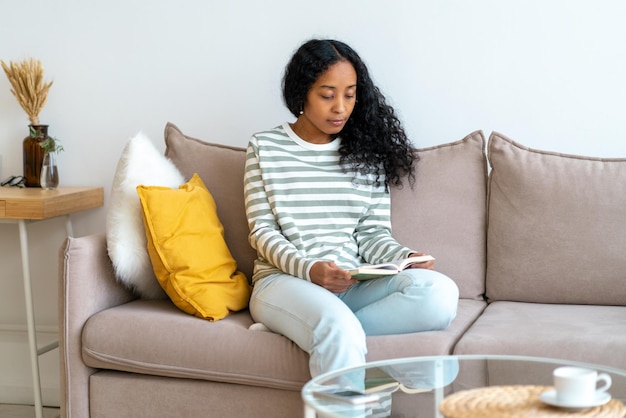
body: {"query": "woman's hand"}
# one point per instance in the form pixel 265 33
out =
pixel 331 277
pixel 428 265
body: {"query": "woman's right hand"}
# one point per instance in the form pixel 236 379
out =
pixel 328 275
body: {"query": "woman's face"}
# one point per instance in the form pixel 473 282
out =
pixel 329 104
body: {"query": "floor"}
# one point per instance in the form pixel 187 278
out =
pixel 25 411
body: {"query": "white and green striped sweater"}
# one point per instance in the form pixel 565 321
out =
pixel 302 207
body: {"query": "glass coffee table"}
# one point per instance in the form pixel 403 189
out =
pixel 454 386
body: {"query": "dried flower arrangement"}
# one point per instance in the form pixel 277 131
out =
pixel 29 89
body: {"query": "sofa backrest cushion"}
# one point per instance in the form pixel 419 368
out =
pixel 556 226
pixel 221 169
pixel 445 213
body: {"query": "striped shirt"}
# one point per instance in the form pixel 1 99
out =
pixel 302 207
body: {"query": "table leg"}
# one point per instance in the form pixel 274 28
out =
pixel 30 319
pixel 439 385
pixel 68 226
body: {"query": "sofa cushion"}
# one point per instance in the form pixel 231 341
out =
pixel 221 169
pixel 593 334
pixel 140 163
pixel 224 351
pixel 188 253
pixel 557 226
pixel 444 215
pixel 130 337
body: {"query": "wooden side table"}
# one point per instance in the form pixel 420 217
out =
pixel 21 206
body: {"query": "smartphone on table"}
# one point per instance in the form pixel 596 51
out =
pixel 351 396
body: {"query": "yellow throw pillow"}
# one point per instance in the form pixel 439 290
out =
pixel 188 253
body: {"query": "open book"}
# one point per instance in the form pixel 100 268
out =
pixel 372 271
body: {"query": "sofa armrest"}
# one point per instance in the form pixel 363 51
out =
pixel 87 285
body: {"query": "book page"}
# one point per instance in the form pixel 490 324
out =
pixel 372 271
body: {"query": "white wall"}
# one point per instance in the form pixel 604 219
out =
pixel 550 75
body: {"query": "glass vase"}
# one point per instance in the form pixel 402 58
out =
pixel 49 178
pixel 33 155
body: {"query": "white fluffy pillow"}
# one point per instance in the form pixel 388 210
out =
pixel 140 164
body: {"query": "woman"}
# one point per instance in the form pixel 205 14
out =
pixel 318 204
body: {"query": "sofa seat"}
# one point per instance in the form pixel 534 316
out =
pixel 588 333
pixel 585 333
pixel 153 337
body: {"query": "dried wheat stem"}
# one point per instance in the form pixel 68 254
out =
pixel 29 89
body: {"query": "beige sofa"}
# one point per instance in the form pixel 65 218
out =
pixel 536 242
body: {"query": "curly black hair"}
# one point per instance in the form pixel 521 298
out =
pixel 373 135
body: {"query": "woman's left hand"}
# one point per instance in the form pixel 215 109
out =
pixel 428 265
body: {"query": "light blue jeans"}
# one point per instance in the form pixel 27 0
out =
pixel 332 327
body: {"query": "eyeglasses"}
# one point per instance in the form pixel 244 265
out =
pixel 13 181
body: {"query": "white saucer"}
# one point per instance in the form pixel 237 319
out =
pixel 549 397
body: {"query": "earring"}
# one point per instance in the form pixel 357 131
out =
pixel 302 112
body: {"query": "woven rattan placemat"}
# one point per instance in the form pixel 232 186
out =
pixel 517 401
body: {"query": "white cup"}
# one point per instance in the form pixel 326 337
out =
pixel 578 385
